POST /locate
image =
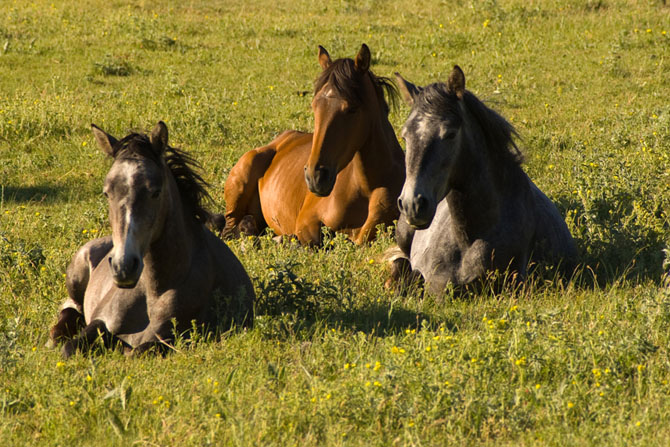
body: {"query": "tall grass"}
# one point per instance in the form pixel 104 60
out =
pixel 334 358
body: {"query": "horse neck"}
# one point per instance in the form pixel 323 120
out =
pixel 171 253
pixel 474 195
pixel 380 154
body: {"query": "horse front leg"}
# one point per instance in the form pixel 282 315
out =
pixel 71 317
pixel 243 204
pixel 475 262
pixel 308 226
pixel 382 209
pixel 70 322
pixel 402 275
pixel 84 341
pixel 162 344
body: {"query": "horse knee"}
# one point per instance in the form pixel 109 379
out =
pixel 402 277
pixel 308 232
pixel 84 341
pixel 70 321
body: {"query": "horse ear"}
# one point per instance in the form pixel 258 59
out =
pixel 408 90
pixel 456 83
pixel 362 60
pixel 105 140
pixel 324 58
pixel 159 137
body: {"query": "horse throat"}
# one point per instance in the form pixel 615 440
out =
pixel 379 156
pixel 472 196
pixel 170 254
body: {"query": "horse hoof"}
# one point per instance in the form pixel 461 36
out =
pixel 69 349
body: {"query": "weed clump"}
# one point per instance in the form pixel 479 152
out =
pixel 112 66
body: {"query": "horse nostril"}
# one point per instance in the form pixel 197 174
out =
pixel 321 175
pixel 421 203
pixel 136 263
pixel 109 259
pixel 399 203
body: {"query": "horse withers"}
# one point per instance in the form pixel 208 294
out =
pixel 346 175
pixel 467 208
pixel 161 266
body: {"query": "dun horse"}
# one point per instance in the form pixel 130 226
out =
pixel 467 207
pixel 346 175
pixel 161 262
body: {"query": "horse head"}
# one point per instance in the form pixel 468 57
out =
pixel 434 136
pixel 345 104
pixel 137 198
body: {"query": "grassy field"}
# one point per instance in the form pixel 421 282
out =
pixel 334 358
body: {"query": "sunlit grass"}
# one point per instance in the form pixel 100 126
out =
pixel 334 358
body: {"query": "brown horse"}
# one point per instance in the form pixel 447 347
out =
pixel 161 266
pixel 346 176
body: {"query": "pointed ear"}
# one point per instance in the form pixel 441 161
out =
pixel 324 58
pixel 159 137
pixel 105 140
pixel 362 60
pixel 408 90
pixel 456 83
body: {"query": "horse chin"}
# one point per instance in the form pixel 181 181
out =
pixel 419 226
pixel 126 284
pixel 321 191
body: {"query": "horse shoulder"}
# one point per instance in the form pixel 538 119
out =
pixel 84 261
pixel 436 250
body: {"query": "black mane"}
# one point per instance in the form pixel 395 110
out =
pixel 438 101
pixel 347 80
pixel 192 187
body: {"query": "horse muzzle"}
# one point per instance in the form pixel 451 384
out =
pixel 320 181
pixel 126 273
pixel 418 211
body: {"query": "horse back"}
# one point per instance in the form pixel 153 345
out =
pixel 553 241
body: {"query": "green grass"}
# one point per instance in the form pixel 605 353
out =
pixel 334 358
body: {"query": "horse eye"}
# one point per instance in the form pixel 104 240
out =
pixel 155 194
pixel 450 136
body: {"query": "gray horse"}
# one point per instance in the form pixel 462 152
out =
pixel 161 266
pixel 467 208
